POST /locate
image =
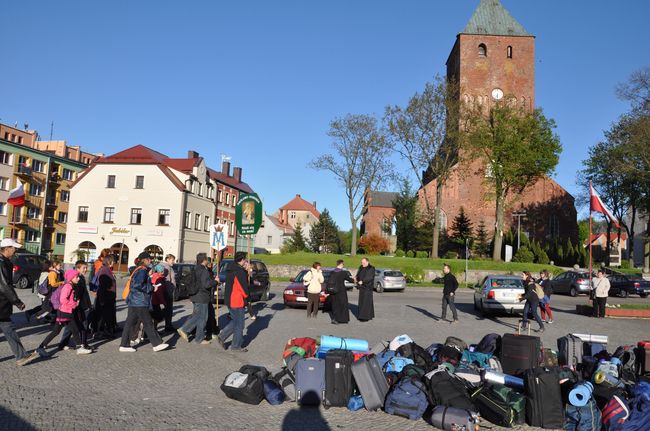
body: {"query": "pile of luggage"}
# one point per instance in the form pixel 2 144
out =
pixel 506 380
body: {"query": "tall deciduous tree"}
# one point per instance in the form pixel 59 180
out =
pixel 359 162
pixel 324 235
pixel 405 205
pixel 424 133
pixel 516 147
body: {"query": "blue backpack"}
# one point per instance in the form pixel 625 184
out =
pixel 639 409
pixel 355 403
pixel 384 357
pixel 396 364
pixel 475 358
pixel 273 393
pixel 408 399
pixel 585 418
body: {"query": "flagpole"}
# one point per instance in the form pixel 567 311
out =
pixel 589 241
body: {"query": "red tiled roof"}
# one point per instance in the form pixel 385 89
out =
pixel 613 236
pixel 299 204
pixel 183 165
pixel 136 155
pixel 229 181
pixel 287 228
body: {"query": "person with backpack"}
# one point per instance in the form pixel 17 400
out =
pixel 53 282
pixel 545 303
pixel 42 290
pixel 532 301
pixel 105 301
pixel 170 277
pixel 314 281
pixel 9 299
pixel 338 293
pixel 449 293
pixel 201 294
pixel 82 311
pixel 64 300
pixel 235 293
pixel 159 298
pixel 138 300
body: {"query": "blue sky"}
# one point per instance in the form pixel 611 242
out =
pixel 260 81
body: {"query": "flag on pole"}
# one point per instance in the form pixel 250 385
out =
pixel 596 204
pixel 17 196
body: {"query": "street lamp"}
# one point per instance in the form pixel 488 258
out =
pixel 519 215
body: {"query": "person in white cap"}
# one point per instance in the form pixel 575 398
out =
pixel 8 299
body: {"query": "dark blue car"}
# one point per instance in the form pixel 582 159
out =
pixel 260 282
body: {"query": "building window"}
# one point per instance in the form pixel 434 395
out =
pixel 136 215
pixel 188 217
pixel 139 182
pixel 37 165
pixel 206 223
pixel 109 214
pixel 16 215
pixel 219 197
pixel 4 183
pixel 227 198
pixel 22 161
pixel 63 217
pixel 554 226
pixel 110 182
pixel 234 199
pixel 65 196
pixel 35 189
pixel 199 189
pixel 163 217
pixel 509 52
pixel 5 158
pixel 482 50
pixel 197 221
pixel 269 240
pixel 210 192
pixel 3 209
pixel 292 214
pixel 32 236
pixel 67 174
pixel 82 215
pixel 60 238
pixel 232 228
pixel 33 213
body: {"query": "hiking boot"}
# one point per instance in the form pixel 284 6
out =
pixel 160 347
pixel 83 351
pixel 183 334
pixel 127 349
pixel 27 359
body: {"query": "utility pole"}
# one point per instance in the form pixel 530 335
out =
pixel 519 215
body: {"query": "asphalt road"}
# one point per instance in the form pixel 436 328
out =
pixel 179 388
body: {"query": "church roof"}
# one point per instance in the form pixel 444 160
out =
pixel 491 18
pixel 382 199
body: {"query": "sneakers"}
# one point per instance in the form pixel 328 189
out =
pixel 27 359
pixel 83 351
pixel 160 347
pixel 540 330
pixel 240 350
pixel 550 321
pixel 453 322
pixel 206 342
pixel 42 353
pixel 135 342
pixel 183 334
pixel 253 317
pixel 127 349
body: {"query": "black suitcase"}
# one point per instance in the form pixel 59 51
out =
pixel 543 398
pixel 338 378
pixel 519 353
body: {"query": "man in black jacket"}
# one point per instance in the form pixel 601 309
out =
pixel 235 297
pixel 8 299
pixel 201 296
pixel 448 293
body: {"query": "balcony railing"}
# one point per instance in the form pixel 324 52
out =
pixel 25 171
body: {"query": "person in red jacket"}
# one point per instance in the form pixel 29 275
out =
pixel 235 293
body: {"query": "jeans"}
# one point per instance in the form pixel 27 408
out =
pixel 74 330
pixel 13 339
pixel 447 299
pixel 197 320
pixel 169 312
pixel 133 315
pixel 235 328
pixel 533 309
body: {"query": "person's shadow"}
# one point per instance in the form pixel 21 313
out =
pixel 305 417
pixel 425 312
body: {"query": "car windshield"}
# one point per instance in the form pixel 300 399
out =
pixel 506 283
pixel 393 274
pixel 300 276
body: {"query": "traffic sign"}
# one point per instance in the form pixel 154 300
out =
pixel 248 214
pixel 219 236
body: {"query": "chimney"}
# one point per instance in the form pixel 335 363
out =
pixel 191 154
pixel 297 195
pixel 236 172
pixel 314 204
pixel 225 168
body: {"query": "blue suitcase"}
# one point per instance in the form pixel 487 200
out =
pixel 310 381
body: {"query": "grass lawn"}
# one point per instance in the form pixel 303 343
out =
pixel 629 271
pixel 633 306
pixel 408 265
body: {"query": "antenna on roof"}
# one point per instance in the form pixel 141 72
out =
pixel 51 130
pixel 225 158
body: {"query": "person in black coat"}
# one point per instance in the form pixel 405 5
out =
pixel 204 284
pixel 339 294
pixel 449 293
pixel 366 283
pixel 532 302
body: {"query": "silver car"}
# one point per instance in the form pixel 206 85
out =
pixel 388 279
pixel 499 293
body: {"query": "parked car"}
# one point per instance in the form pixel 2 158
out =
pixel 27 268
pixel 295 294
pixel 260 282
pixel 571 282
pixel 623 285
pixel 388 279
pixel 182 275
pixel 499 293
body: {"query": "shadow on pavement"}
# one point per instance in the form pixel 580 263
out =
pixel 12 421
pixel 305 417
pixel 425 312
pixel 258 325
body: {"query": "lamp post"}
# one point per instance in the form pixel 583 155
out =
pixel 519 215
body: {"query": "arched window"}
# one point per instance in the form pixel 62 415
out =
pixel 482 50
pixel 509 51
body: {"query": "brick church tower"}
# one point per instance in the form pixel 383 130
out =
pixel 493 58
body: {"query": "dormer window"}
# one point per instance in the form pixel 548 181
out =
pixel 509 52
pixel 482 50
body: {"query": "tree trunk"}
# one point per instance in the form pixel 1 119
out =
pixel 630 239
pixel 646 242
pixel 353 247
pixel 436 221
pixel 608 247
pixel 498 227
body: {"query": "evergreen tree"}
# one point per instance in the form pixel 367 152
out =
pixel 482 244
pixel 324 235
pixel 461 231
pixel 405 205
pixel 295 243
pixel 569 254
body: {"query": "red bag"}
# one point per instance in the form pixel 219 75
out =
pixel 306 343
pixel 358 355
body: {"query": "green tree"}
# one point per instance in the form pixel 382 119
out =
pixel 324 235
pixel 583 230
pixel 425 134
pixel 569 253
pixel 482 243
pixel 516 148
pixel 359 162
pixel 461 231
pixel 523 255
pixel 405 205
pixel 296 242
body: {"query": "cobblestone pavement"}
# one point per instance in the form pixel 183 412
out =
pixel 179 389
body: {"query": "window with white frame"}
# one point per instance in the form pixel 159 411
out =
pixel 197 221
pixel 35 189
pixel 136 215
pixel 206 223
pixel 188 220
pixel 139 182
pixel 110 182
pixel 32 236
pixel 109 214
pixel 232 228
pixel 65 196
pixel 4 183
pixel 33 213
pixel 38 166
pixel 227 198
pixel 164 217
pixel 234 199
pixel 3 209
pixel 82 214
pixel 67 174
pixel 60 238
pixel 62 217
pixel 5 157
pixel 292 214
pixel 210 192
pixel 219 196
pixel 269 240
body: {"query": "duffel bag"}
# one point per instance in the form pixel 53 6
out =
pixel 247 388
pixel 287 382
pixel 493 408
pixel 456 343
pixel 420 357
pixel 452 418
pixel 408 399
pixel 448 390
pixel 273 393
pixel 584 418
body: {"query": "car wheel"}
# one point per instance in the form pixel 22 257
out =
pixel 266 295
pixel 475 305
pixel 573 292
pixel 643 295
pixel 622 293
pixel 484 311
pixel 380 288
pixel 22 282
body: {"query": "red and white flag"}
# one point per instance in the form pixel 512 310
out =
pixel 17 196
pixel 597 205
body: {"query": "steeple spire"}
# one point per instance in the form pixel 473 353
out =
pixel 491 18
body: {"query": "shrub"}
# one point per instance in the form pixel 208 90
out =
pixel 421 254
pixel 374 244
pixel 413 274
pixel 523 255
pixel 451 255
pixel 410 253
pixel 399 253
pixel 542 257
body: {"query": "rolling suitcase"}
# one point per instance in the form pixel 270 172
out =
pixel 544 406
pixel 338 378
pixel 643 357
pixel 371 382
pixel 569 349
pixel 310 381
pixel 519 353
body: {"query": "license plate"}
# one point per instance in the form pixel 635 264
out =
pixel 507 295
pixel 301 299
